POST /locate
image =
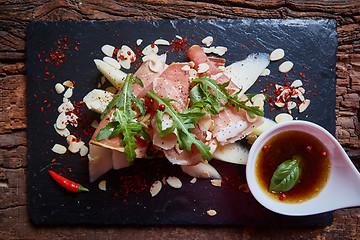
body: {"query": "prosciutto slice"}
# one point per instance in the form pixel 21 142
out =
pixel 229 125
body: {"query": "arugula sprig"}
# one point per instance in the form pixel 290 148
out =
pixel 201 96
pixel 123 121
pixel 124 100
pixel 183 125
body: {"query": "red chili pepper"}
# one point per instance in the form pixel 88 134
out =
pixel 68 184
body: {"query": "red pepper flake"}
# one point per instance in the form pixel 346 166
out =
pixel 53 160
pixel 282 197
pixel 309 148
pixel 42 109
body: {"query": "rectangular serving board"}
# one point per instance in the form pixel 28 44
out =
pixel 310 44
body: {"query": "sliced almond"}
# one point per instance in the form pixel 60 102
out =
pixel 111 61
pixel 191 64
pixel 208 136
pixel 74 147
pixel 304 105
pixel 102 185
pixel 216 182
pixel 220 50
pixel 213 144
pixel 291 105
pixel 138 42
pixel 208 41
pixel 59 88
pixel 178 37
pixel 203 67
pixel 65 99
pixel 193 180
pixel 192 74
pixel 279 104
pixel 204 122
pixel 211 212
pixel 62 132
pixel 301 90
pixel 84 150
pixel 61 121
pixel 162 42
pixel 265 73
pixel 68 93
pixel 296 83
pixel 174 182
pixel 152 48
pixel 60 149
pixel 68 83
pixel 66 107
pixel 94 124
pixel 70 139
pixel 72 119
pixel 111 89
pixel 108 50
pixel 155 188
pixel 186 68
pixel 283 117
pixel 221 68
pixel 277 54
pixel 285 66
pixel 251 138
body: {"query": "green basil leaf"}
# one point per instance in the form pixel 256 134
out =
pixel 285 176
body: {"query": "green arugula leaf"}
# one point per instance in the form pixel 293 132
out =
pixel 285 176
pixel 211 102
pixel 183 125
pixel 124 100
pixel 123 122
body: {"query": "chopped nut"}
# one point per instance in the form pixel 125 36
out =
pixel 68 83
pixel 94 124
pixel 162 42
pixel 108 50
pixel 265 73
pixel 84 150
pixel 112 62
pixel 150 49
pixel 68 93
pixel 111 89
pixel 102 185
pixel 155 188
pixel 60 149
pixel 277 54
pixel 285 67
pixel 211 212
pixel 59 88
pixel 193 180
pixel 138 42
pixel 208 41
pixel 296 83
pixel 75 147
pixel 283 117
pixel 62 132
pixel 61 121
pixel 304 105
pixel 66 107
pixel 203 67
pixel 216 182
pixel 220 50
pixel 174 182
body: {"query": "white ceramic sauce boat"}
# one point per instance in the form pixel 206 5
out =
pixel 342 189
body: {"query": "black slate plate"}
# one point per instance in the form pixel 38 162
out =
pixel 310 44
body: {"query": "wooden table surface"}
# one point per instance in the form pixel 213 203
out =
pixel 16 14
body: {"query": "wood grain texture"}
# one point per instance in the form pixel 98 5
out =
pixel 14 17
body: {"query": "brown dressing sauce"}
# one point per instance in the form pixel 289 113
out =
pixel 315 165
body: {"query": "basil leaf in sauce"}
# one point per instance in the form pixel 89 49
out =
pixel 285 176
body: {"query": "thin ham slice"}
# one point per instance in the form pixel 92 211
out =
pixel 229 125
pixel 147 76
pixel 197 55
pixel 174 83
